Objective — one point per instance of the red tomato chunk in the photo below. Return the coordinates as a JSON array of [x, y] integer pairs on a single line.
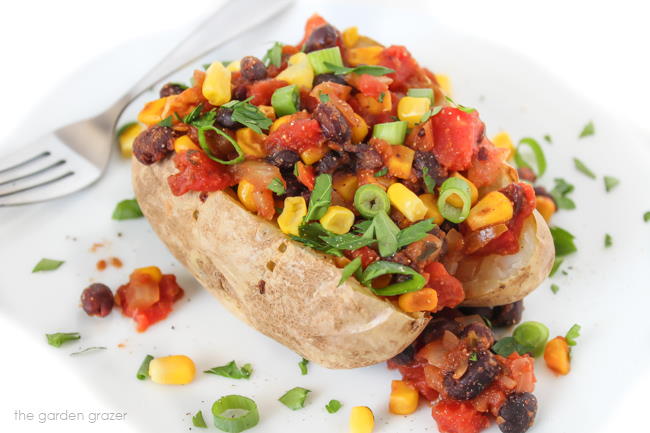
[[197, 172], [458, 417]]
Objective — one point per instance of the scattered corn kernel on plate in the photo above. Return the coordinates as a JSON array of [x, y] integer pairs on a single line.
[[602, 286]]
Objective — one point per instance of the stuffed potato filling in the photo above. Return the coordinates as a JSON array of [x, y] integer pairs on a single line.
[[354, 150]]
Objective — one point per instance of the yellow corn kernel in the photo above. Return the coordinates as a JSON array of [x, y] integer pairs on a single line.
[[431, 202], [492, 209], [152, 112], [338, 219], [251, 143], [216, 86], [292, 214], [403, 398], [359, 130], [152, 271], [127, 137], [364, 55], [346, 185], [184, 143], [503, 141], [406, 202], [313, 154], [401, 161], [445, 83], [545, 206], [362, 420], [172, 370], [350, 36], [456, 201], [234, 66], [299, 72], [411, 109], [268, 111], [279, 122], [245, 192]]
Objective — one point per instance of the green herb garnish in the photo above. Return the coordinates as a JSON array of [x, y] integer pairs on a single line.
[[274, 55], [608, 240], [381, 97], [333, 406], [563, 241], [47, 265], [232, 371], [198, 421], [610, 183], [573, 333], [206, 123], [59, 338], [429, 114], [555, 288], [414, 232], [548, 138], [248, 115], [460, 107], [321, 197], [167, 121], [646, 217], [377, 269], [386, 233], [588, 130], [375, 70], [127, 209], [382, 172], [473, 357], [324, 98], [350, 269], [303, 366], [277, 186], [560, 193], [429, 182], [556, 265], [582, 168], [194, 115], [294, 399]]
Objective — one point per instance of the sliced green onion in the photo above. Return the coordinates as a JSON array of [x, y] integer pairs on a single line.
[[538, 153], [295, 398], [318, 60], [143, 371], [348, 271], [206, 148], [370, 200], [610, 183], [286, 100], [235, 413], [421, 93], [461, 188], [533, 336], [380, 268], [390, 132]]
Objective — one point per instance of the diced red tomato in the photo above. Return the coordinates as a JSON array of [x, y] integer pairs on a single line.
[[421, 137], [450, 290], [197, 172], [168, 290], [521, 368], [262, 90], [265, 204], [490, 400], [306, 175], [458, 417], [312, 23], [307, 101], [486, 164], [367, 255], [522, 196], [297, 134], [407, 71], [455, 135], [371, 86], [415, 375]]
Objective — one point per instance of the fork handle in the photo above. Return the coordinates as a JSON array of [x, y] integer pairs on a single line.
[[229, 21]]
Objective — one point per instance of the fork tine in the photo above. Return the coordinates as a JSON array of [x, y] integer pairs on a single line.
[[33, 173], [44, 183], [24, 162]]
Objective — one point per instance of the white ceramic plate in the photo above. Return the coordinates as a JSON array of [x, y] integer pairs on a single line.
[[605, 290]]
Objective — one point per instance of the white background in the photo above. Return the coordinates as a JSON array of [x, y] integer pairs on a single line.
[[598, 48]]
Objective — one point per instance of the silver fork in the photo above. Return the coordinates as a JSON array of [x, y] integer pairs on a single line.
[[76, 155]]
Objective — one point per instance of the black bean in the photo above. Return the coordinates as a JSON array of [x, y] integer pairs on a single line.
[[153, 144], [294, 187], [406, 356], [224, 118], [479, 375], [436, 328], [508, 315], [368, 158], [331, 162], [485, 312], [427, 159], [323, 78], [517, 413], [283, 158], [334, 126], [97, 300], [325, 36], [171, 89], [540, 191], [252, 68], [477, 336]]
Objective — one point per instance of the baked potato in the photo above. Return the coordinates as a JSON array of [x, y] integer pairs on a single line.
[[422, 210]]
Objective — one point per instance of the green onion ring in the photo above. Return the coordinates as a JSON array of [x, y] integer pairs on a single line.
[[380, 268], [206, 149], [538, 153], [239, 423], [461, 188]]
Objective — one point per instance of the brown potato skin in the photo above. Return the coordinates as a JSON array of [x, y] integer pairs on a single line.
[[277, 286]]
